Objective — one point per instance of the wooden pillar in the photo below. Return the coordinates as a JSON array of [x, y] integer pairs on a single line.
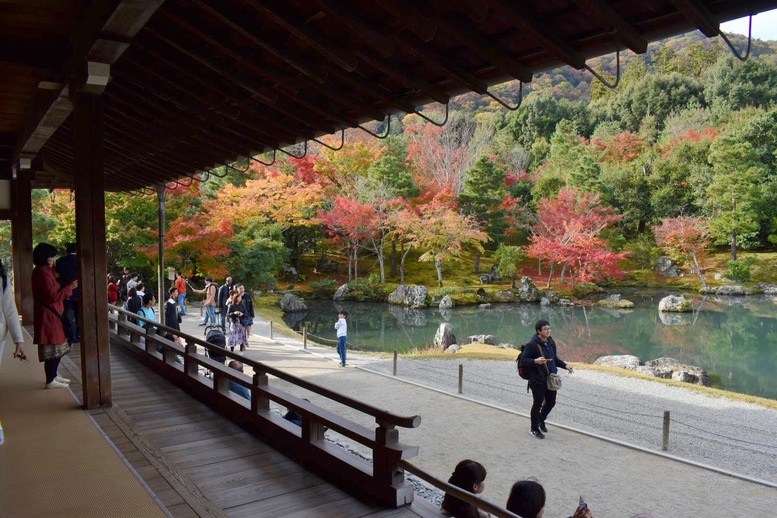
[[21, 242], [161, 294], [89, 178]]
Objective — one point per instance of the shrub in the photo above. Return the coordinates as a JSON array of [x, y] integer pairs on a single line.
[[644, 251], [740, 270], [368, 289]]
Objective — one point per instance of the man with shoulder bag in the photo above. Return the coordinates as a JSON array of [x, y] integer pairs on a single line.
[[539, 357]]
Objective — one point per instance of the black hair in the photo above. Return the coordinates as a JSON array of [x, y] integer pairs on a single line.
[[465, 476], [540, 324], [3, 275], [133, 292], [343, 312], [527, 498], [171, 290], [70, 248], [42, 252], [147, 297], [208, 278]]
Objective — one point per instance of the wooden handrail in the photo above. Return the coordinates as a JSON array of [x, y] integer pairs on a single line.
[[470, 498], [379, 414]]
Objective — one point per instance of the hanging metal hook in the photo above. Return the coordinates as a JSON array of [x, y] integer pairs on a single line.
[[295, 156], [342, 142], [264, 163], [388, 129], [438, 124], [749, 42], [248, 164], [617, 72], [500, 101]]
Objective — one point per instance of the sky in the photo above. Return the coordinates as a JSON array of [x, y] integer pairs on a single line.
[[764, 26]]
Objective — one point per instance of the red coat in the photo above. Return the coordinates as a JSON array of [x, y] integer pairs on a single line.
[[47, 326]]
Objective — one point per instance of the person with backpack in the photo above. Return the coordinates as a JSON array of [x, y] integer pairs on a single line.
[[539, 357]]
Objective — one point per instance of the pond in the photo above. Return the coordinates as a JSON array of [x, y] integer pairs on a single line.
[[733, 339]]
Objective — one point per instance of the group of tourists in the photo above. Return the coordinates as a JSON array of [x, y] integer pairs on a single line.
[[231, 307], [526, 499]]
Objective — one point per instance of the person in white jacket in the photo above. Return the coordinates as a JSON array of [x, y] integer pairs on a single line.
[[9, 325], [342, 335]]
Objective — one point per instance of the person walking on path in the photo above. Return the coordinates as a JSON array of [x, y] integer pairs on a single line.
[[248, 302], [342, 335], [225, 292], [180, 287], [48, 307], [237, 334], [539, 355], [210, 301], [171, 313]]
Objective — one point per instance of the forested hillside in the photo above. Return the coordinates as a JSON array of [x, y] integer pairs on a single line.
[[580, 176]]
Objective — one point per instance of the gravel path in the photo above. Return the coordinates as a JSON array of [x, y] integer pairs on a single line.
[[721, 433]]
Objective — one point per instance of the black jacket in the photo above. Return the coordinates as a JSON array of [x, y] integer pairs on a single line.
[[535, 349]]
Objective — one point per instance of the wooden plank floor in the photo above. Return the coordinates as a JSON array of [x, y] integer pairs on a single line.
[[200, 464]]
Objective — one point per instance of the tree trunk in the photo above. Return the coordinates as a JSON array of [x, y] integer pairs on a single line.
[[477, 262], [733, 246], [394, 272], [539, 266], [552, 267], [698, 272], [402, 264], [513, 279], [563, 271], [438, 265]]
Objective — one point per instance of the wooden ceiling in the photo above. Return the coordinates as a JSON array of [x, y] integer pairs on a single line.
[[199, 83]]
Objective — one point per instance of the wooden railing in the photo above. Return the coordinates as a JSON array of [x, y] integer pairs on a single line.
[[382, 480]]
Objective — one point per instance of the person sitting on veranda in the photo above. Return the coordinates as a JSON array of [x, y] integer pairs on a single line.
[[235, 387], [469, 475]]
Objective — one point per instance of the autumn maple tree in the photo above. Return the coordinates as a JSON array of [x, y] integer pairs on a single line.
[[687, 235], [568, 233]]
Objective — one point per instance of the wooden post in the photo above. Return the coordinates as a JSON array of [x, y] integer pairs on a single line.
[[21, 238], [304, 337], [270, 329], [190, 367], [665, 442], [461, 377], [161, 295], [89, 178], [388, 476], [395, 362], [260, 403]]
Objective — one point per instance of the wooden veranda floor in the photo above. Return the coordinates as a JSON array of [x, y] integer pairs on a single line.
[[198, 463]]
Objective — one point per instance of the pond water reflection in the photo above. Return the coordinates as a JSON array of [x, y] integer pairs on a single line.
[[734, 340]]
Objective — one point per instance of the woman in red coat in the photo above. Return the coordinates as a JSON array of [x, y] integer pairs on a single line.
[[47, 297]]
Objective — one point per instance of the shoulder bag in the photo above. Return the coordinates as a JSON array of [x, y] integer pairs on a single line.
[[67, 325], [554, 378]]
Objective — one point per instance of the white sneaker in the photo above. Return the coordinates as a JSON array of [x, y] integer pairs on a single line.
[[56, 384], [61, 379]]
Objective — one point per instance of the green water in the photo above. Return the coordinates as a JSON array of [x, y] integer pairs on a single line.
[[734, 340]]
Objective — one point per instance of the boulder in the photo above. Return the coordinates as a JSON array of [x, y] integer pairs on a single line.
[[551, 296], [481, 339], [622, 361], [291, 303], [341, 293], [452, 349], [734, 291], [505, 296], [615, 302], [527, 291], [766, 289], [409, 295], [487, 305], [566, 302], [673, 369], [675, 304], [444, 337], [666, 267], [446, 302]]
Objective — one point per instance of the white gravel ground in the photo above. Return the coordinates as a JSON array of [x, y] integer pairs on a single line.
[[729, 435]]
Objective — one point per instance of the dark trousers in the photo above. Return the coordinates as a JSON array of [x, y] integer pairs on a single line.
[[544, 401], [73, 331], [50, 368]]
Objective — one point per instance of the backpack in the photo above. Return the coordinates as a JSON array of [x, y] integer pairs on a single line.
[[523, 372]]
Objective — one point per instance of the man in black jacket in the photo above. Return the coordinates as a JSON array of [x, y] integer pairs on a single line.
[[221, 301], [539, 355]]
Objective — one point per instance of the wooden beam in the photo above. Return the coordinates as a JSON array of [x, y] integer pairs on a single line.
[[698, 15], [119, 19], [89, 179], [623, 30], [21, 243]]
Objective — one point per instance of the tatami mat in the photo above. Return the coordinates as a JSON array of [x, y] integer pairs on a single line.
[[55, 462]]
